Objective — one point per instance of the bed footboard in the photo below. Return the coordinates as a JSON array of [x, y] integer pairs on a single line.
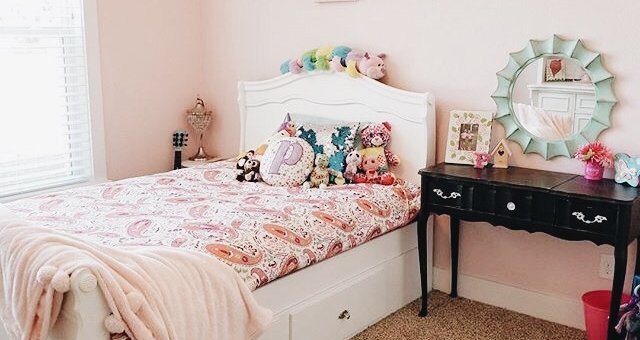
[[84, 310]]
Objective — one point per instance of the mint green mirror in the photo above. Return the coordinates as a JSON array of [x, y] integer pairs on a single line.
[[554, 96]]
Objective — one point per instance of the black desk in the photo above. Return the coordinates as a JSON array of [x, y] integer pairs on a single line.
[[563, 205]]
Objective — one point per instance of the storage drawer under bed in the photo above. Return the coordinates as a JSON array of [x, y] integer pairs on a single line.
[[340, 312]]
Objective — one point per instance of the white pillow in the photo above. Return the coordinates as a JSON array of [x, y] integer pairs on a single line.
[[287, 162]]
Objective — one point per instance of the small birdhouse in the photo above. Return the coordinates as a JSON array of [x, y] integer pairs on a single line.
[[501, 155]]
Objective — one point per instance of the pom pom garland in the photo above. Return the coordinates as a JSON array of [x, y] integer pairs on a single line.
[[338, 59]]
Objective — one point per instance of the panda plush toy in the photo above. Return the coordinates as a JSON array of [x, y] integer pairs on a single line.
[[248, 168]]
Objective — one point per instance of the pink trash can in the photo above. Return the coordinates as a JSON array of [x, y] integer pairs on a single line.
[[596, 312]]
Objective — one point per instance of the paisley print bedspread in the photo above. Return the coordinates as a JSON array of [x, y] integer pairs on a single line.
[[263, 232]]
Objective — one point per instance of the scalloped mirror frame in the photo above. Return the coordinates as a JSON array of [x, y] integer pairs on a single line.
[[602, 82]]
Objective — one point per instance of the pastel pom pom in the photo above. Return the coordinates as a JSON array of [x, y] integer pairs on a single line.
[[290, 66], [336, 64], [294, 67], [341, 51], [61, 282], [322, 63], [284, 67], [113, 324], [352, 70], [324, 52], [309, 60], [308, 64], [45, 274]]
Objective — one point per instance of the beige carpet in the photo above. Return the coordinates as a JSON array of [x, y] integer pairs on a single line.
[[462, 319]]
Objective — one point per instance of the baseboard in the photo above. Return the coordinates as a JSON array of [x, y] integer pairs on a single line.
[[557, 309]]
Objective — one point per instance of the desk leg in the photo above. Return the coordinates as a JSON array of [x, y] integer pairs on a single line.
[[423, 217], [637, 270], [455, 245], [616, 291]]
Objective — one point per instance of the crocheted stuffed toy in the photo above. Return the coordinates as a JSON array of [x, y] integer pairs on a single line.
[[338, 59]]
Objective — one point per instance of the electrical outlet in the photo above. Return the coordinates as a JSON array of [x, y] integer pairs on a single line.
[[606, 266]]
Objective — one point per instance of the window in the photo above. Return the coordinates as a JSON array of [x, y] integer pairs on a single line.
[[45, 125]]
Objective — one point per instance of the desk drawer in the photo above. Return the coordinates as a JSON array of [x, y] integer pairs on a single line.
[[447, 193], [513, 203], [484, 198], [593, 216]]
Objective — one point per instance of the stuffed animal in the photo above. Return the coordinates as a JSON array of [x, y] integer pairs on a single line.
[[379, 135], [353, 160], [249, 168], [367, 64], [630, 311], [338, 178], [243, 159], [272, 139], [374, 168], [341, 58], [319, 177]]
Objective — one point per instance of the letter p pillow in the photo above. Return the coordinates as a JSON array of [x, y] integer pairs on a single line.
[[289, 153]]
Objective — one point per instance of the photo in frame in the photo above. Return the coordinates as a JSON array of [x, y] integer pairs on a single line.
[[564, 70], [469, 132]]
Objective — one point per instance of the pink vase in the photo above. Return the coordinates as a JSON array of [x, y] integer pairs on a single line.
[[593, 171]]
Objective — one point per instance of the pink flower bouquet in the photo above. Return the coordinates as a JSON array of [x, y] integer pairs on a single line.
[[596, 157]]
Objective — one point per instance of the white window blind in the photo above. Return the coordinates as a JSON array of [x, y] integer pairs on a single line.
[[44, 96]]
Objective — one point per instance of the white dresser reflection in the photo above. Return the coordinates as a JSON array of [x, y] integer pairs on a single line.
[[575, 99]]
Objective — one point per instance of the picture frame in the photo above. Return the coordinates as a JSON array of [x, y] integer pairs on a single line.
[[554, 69], [559, 69], [469, 132]]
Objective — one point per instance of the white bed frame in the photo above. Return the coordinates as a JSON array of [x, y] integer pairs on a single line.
[[341, 296], [367, 283]]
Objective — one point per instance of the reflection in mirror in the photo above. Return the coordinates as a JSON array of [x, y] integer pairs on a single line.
[[553, 98]]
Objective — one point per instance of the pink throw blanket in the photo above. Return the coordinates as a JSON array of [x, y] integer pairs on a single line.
[[155, 293]]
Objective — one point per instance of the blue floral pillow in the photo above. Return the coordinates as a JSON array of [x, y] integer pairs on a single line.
[[333, 140]]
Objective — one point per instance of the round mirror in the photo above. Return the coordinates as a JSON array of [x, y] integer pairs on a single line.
[[554, 96]]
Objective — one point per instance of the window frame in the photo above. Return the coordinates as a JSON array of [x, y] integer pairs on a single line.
[[96, 117]]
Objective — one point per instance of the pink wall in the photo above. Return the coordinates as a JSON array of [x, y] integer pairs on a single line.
[[151, 54], [154, 54], [453, 49]]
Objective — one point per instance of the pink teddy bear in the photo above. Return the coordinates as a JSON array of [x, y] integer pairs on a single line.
[[379, 135]]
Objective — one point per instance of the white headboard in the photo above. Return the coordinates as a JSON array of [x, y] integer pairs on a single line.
[[337, 96]]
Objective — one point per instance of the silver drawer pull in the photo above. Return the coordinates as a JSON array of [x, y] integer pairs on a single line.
[[441, 194], [511, 206], [580, 216], [344, 315]]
